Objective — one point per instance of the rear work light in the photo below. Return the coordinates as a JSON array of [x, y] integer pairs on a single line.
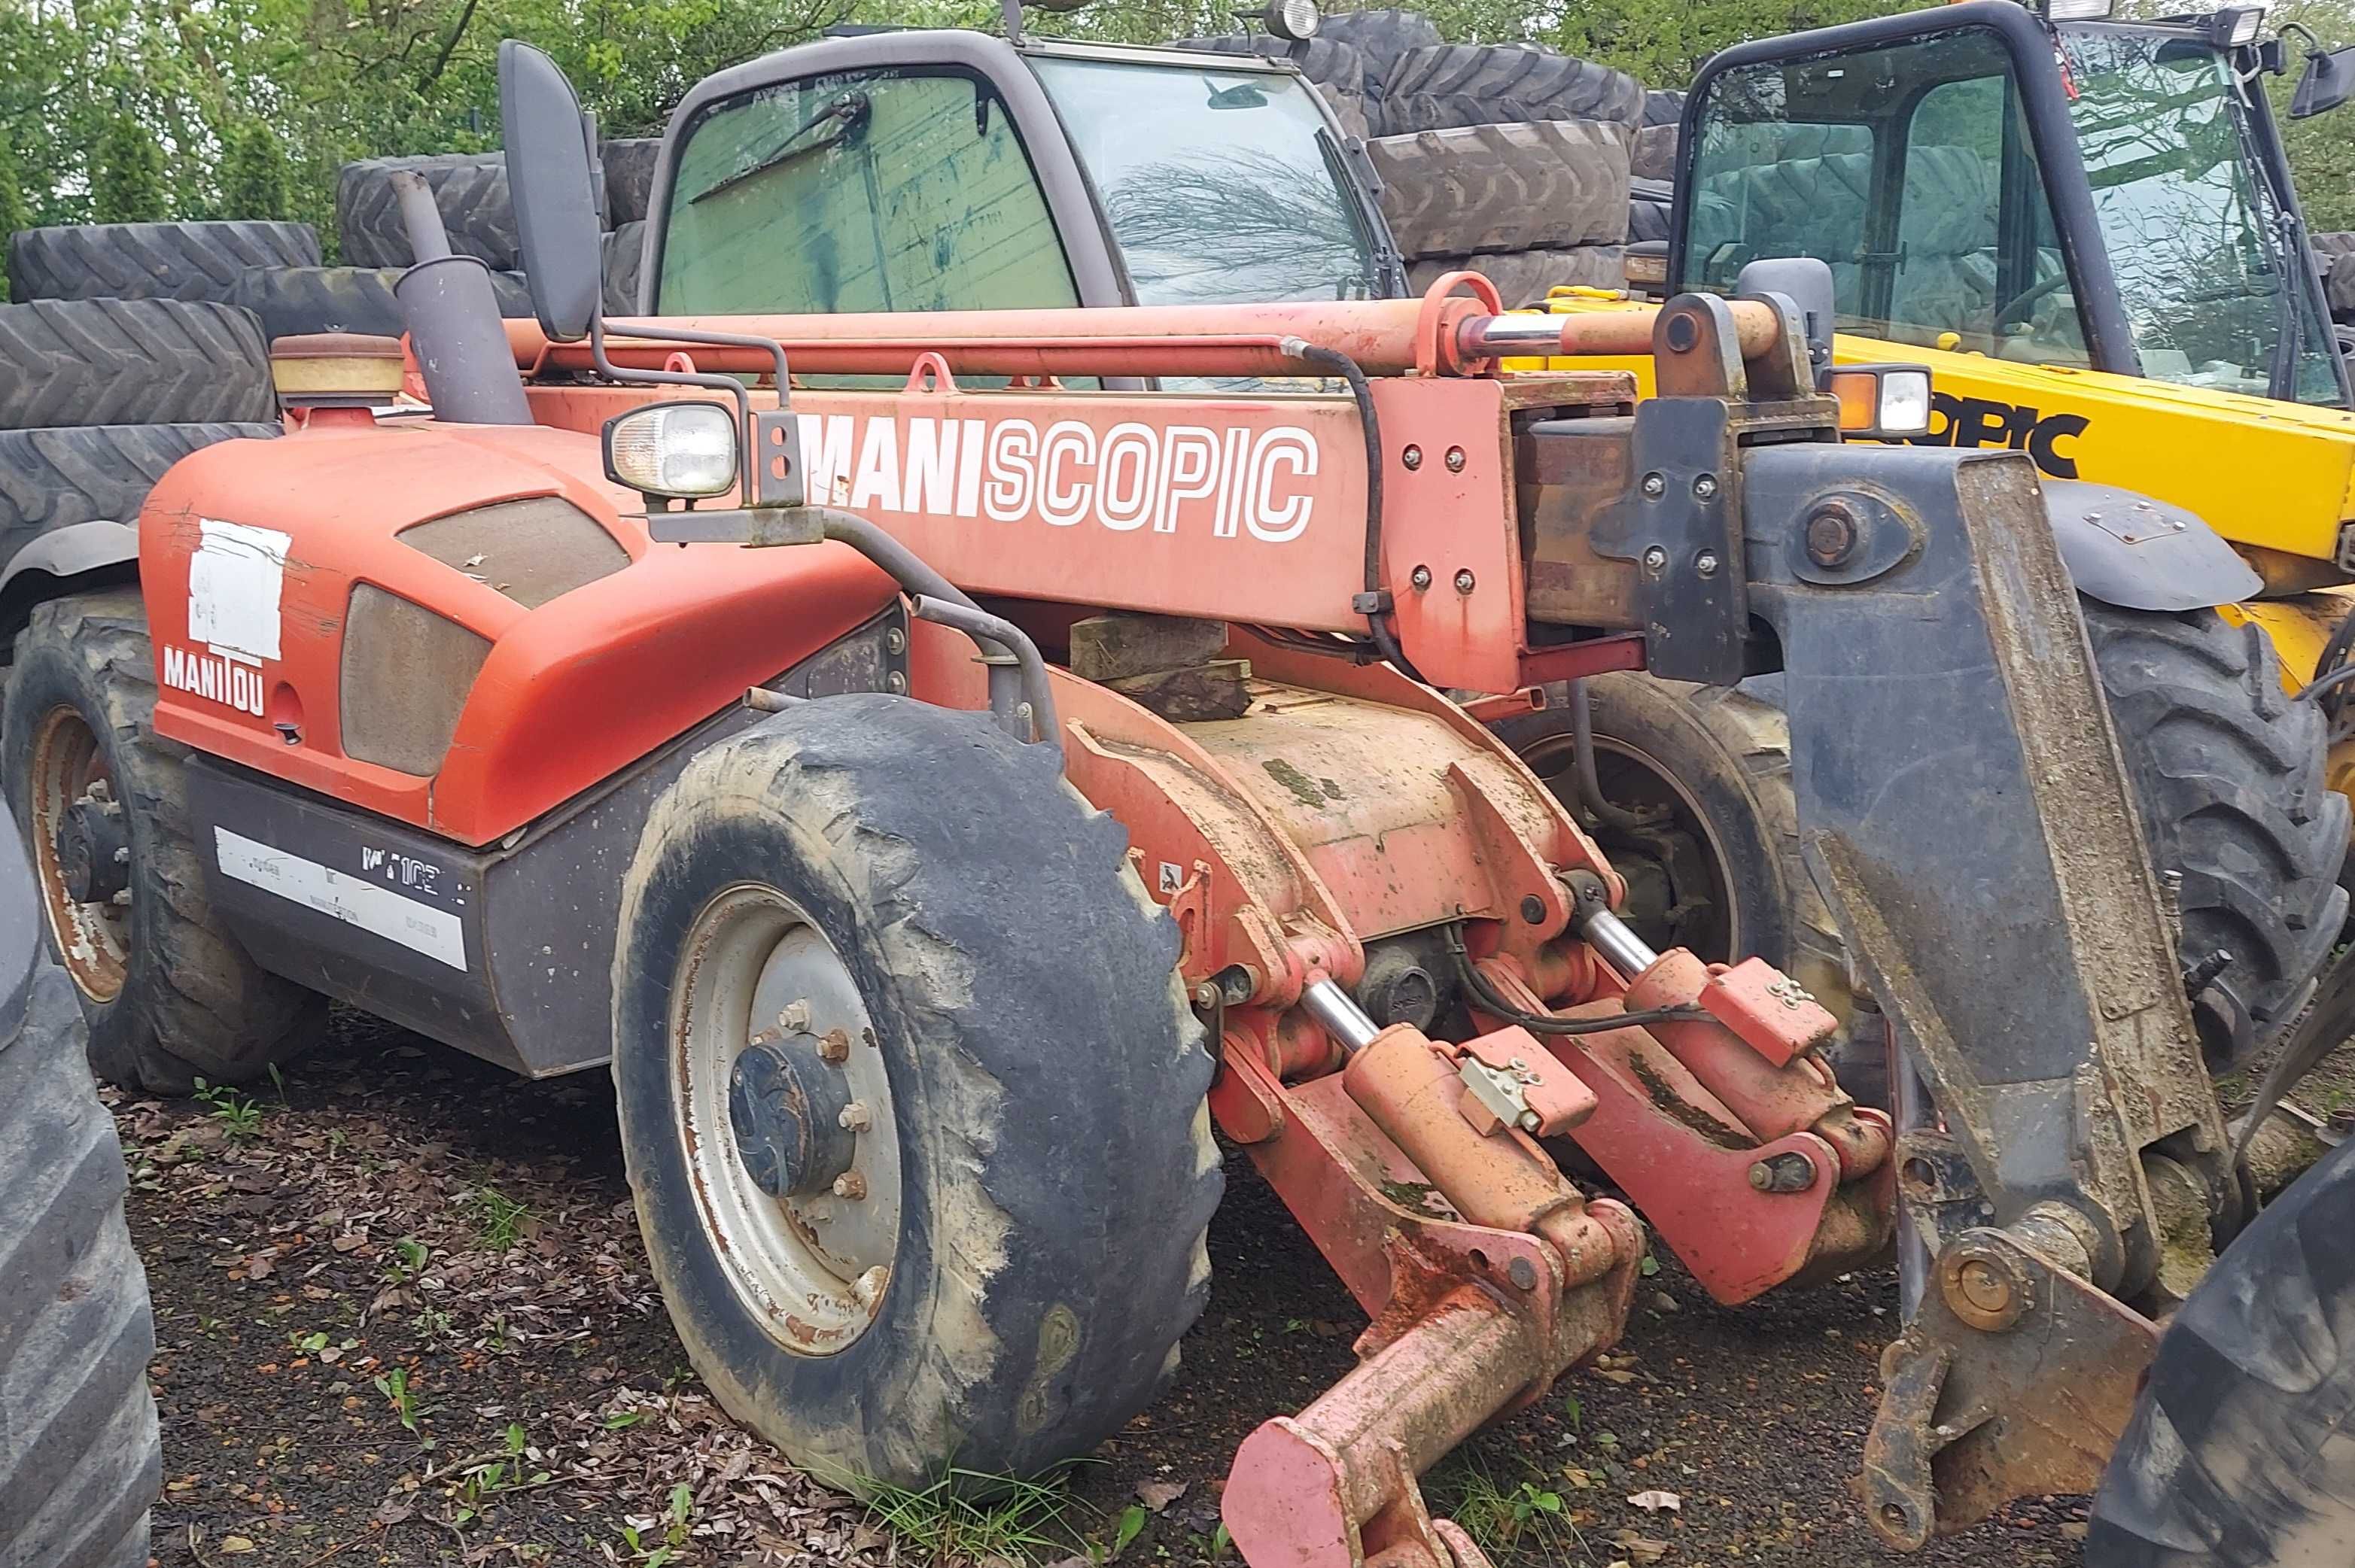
[[1884, 402]]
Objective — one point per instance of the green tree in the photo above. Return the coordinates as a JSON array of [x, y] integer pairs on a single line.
[[14, 214], [253, 171], [126, 177]]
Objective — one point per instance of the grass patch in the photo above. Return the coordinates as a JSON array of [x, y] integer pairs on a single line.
[[1521, 1514], [502, 1219], [968, 1516]]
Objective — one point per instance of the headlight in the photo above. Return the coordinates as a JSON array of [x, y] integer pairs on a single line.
[[684, 450], [1882, 400], [2078, 10], [1293, 19]]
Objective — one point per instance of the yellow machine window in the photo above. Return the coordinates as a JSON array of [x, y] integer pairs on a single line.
[[1908, 170]]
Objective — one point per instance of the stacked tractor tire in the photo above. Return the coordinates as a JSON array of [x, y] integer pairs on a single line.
[[1508, 160], [274, 269], [2334, 255]]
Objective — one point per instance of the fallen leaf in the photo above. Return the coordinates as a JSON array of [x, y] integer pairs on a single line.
[[1653, 1502], [1614, 1375], [236, 1543], [1641, 1549], [1159, 1495]]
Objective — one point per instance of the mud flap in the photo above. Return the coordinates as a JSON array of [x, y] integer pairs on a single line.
[[1965, 810]]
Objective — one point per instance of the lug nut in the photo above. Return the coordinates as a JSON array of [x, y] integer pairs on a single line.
[[855, 1118], [895, 641], [794, 1019], [868, 1287], [1705, 563], [850, 1184], [1456, 459], [896, 681], [834, 1046]]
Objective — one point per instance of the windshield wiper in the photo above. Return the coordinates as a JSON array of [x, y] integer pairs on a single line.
[[850, 112]]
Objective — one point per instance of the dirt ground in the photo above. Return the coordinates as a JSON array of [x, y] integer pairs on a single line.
[[403, 1319]]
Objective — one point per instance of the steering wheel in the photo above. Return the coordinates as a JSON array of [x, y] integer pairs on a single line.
[[2024, 300]]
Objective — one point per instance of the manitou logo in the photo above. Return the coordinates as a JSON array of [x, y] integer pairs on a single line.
[[1229, 481], [215, 677]]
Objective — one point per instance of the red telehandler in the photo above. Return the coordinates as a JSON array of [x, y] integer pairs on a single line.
[[947, 760]]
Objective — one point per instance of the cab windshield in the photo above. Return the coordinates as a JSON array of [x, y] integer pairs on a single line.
[[2196, 239], [1912, 169], [1222, 186]]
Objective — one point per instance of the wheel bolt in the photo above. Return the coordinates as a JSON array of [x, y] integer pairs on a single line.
[[834, 1046], [1656, 559], [1411, 458], [1705, 486], [855, 1118], [868, 1287], [850, 1184], [794, 1019]]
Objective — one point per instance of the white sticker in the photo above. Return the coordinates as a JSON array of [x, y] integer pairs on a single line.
[[1173, 876], [234, 581], [433, 932]]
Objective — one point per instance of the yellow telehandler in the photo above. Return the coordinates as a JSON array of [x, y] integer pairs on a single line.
[[2085, 228]]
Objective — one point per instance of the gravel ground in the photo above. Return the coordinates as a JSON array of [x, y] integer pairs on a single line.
[[404, 1318]]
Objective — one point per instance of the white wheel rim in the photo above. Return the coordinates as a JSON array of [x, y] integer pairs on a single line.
[[811, 1267]]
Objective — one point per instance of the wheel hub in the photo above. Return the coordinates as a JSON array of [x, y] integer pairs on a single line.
[[94, 846], [787, 1108]]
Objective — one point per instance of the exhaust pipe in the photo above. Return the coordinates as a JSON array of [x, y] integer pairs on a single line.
[[454, 321]]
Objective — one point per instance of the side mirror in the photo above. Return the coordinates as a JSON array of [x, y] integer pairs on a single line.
[[1806, 282], [554, 190], [2325, 84]]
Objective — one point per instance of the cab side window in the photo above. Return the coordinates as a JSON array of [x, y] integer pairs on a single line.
[[870, 191]]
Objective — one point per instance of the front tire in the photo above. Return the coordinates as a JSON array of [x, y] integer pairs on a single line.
[[971, 961], [2238, 1454], [169, 996]]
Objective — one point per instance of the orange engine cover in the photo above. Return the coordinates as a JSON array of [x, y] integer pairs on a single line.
[[252, 553]]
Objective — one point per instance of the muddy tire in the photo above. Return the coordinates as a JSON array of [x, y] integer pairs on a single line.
[[626, 250], [1382, 35], [469, 188], [1492, 84], [150, 260], [1523, 277], [169, 997], [2229, 774], [292, 300], [1034, 1165], [1715, 765], [1322, 60], [2237, 1454], [1548, 183], [629, 178], [80, 1455], [1664, 106], [130, 361], [88, 473]]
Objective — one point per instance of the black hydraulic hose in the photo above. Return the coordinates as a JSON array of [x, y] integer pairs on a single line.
[[1581, 743], [1375, 602], [1486, 996]]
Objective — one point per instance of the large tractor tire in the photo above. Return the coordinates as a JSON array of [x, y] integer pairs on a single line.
[[1486, 84], [469, 188], [169, 997], [91, 473], [130, 361], [884, 978], [150, 260], [1550, 184], [2227, 773], [629, 165], [1382, 36], [2238, 1455], [80, 1456]]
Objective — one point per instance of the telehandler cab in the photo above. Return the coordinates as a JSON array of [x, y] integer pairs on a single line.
[[1047, 781]]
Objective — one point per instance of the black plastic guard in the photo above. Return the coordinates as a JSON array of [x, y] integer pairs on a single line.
[[1964, 807]]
